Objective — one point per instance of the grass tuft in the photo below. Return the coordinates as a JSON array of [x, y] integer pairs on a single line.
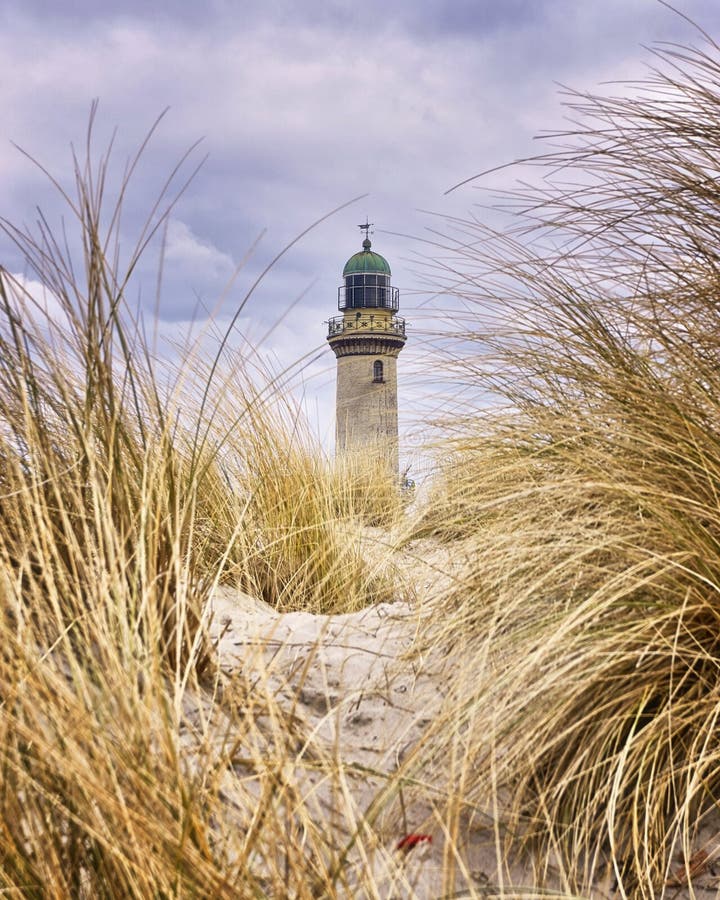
[[588, 509]]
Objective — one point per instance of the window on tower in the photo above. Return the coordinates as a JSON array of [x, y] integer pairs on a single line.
[[378, 371]]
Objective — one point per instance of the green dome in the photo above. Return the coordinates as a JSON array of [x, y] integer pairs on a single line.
[[366, 261]]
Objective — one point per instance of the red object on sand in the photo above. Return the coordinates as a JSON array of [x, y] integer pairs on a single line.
[[412, 840]]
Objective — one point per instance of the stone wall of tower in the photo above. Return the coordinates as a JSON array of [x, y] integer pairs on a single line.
[[366, 410]]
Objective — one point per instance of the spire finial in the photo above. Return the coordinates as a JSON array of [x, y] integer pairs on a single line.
[[366, 228]]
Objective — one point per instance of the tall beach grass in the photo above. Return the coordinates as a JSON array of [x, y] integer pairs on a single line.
[[588, 507], [580, 527], [131, 765]]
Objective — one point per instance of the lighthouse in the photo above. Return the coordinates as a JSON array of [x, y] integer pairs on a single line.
[[367, 338]]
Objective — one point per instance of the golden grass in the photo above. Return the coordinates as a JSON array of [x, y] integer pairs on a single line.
[[577, 621], [131, 766], [588, 513], [304, 542]]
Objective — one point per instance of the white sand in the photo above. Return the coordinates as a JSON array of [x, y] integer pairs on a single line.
[[351, 682], [353, 686]]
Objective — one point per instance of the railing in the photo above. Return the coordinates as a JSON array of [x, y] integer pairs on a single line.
[[372, 323]]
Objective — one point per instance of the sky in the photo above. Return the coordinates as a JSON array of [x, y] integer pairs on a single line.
[[299, 110]]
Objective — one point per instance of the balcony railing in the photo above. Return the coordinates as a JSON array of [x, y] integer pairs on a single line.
[[363, 323]]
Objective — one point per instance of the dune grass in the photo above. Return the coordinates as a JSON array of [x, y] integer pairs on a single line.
[[580, 526], [304, 543], [124, 750], [588, 508]]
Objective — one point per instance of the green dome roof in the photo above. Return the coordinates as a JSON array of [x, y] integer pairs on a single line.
[[366, 261]]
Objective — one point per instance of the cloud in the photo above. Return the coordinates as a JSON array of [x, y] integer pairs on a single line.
[[194, 259], [40, 306], [301, 108]]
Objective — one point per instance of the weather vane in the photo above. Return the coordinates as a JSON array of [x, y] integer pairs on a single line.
[[366, 227]]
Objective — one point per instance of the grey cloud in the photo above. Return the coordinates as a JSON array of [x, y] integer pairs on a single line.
[[366, 19], [301, 109]]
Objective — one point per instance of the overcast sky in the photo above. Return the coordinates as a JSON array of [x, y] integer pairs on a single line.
[[301, 107]]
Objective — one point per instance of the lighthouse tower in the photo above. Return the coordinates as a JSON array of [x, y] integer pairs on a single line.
[[367, 339]]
